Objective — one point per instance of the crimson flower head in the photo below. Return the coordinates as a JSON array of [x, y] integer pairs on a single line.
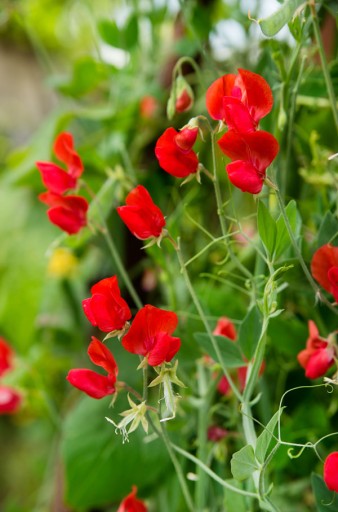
[[150, 335], [252, 153], [56, 179], [174, 152], [131, 504], [225, 327], [6, 355], [324, 268], [106, 309], [241, 100], [331, 471], [10, 400], [318, 356], [92, 383], [69, 213], [141, 215]]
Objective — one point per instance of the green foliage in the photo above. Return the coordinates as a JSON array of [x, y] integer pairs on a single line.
[[264, 440], [250, 331], [243, 463], [267, 228], [271, 25], [326, 500], [231, 355]]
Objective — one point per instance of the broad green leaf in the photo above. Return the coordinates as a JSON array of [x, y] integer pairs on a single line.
[[277, 20], [99, 468], [265, 437], [328, 230], [234, 502], [282, 239], [125, 37], [249, 331], [243, 463], [266, 227], [110, 33], [229, 350], [326, 500]]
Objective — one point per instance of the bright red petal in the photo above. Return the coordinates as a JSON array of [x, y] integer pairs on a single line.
[[71, 215], [244, 176], [225, 327], [214, 96], [10, 400], [101, 356], [256, 94], [6, 355], [54, 178], [331, 471], [172, 158], [92, 383], [131, 504], [323, 259], [165, 347], [237, 115], [64, 150], [333, 278], [318, 363]]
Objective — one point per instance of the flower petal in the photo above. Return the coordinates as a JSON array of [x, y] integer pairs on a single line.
[[100, 355], [256, 94], [323, 259], [54, 178], [244, 176], [92, 383], [221, 87]]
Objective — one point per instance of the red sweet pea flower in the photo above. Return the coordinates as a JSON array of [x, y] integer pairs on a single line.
[[69, 213], [149, 335], [184, 102], [141, 215], [318, 356], [331, 471], [324, 268], [174, 152], [225, 327], [64, 150], [252, 153], [92, 383], [6, 355], [240, 100], [131, 504], [106, 309], [10, 400]]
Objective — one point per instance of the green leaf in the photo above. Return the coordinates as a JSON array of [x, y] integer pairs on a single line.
[[243, 463], [266, 228], [93, 458], [124, 38], [250, 331], [276, 21], [265, 437], [282, 238], [328, 230], [231, 355], [326, 500]]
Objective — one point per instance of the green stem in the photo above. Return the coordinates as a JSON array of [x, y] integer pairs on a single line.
[[202, 315], [302, 263], [327, 77]]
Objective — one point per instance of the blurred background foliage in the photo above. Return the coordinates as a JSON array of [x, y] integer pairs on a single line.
[[90, 68]]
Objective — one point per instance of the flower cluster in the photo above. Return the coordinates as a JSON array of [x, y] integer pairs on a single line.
[[241, 101], [68, 212], [149, 336], [319, 354], [10, 398], [175, 154]]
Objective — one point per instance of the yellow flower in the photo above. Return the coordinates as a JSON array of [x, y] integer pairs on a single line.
[[62, 263]]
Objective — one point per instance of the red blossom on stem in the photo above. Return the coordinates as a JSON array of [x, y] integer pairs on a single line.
[[69, 213], [241, 101], [318, 356], [141, 216], [106, 309], [10, 400], [92, 383], [183, 102], [216, 433], [251, 153], [331, 471], [150, 335], [174, 152], [131, 504], [324, 268]]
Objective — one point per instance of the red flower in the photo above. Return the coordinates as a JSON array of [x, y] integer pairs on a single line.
[[318, 356], [216, 433], [225, 327], [131, 504], [106, 309], [184, 102], [141, 215], [149, 335], [324, 268], [56, 179], [10, 400], [149, 107], [92, 383], [331, 471], [239, 100], [6, 354], [252, 153], [69, 213], [174, 152]]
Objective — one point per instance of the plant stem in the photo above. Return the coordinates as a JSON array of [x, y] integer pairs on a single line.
[[327, 77], [202, 315]]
